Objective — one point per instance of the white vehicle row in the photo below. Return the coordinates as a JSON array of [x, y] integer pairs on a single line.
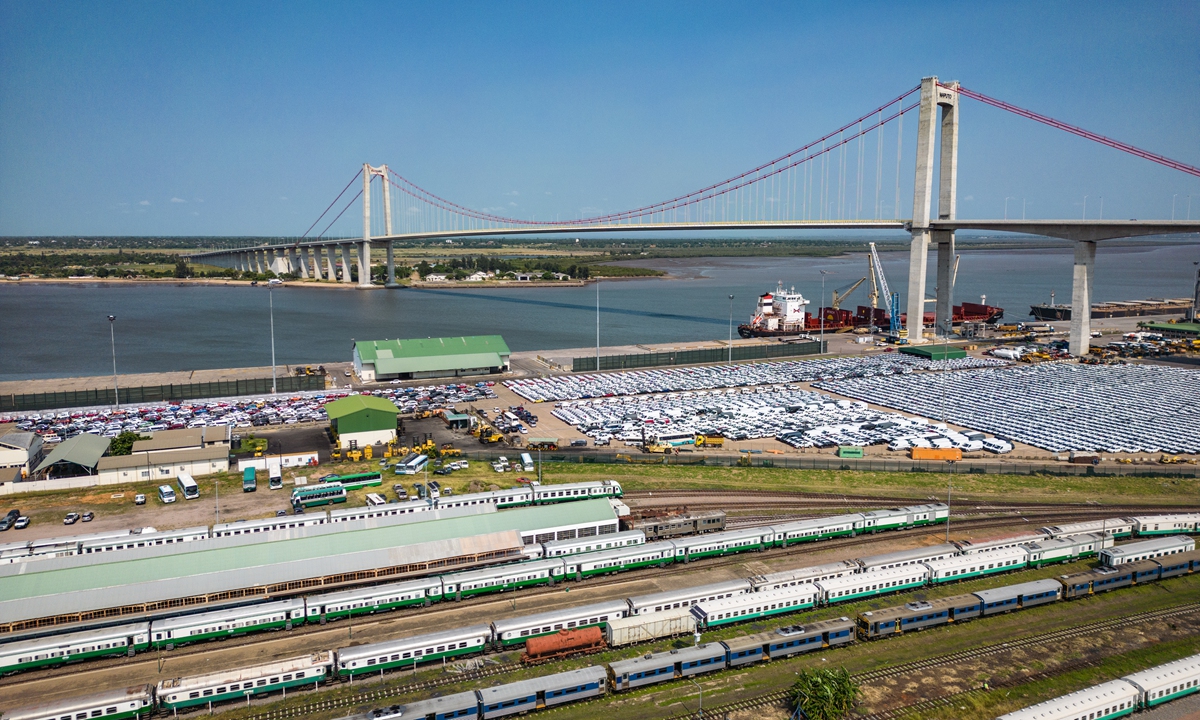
[[677, 379], [1057, 407]]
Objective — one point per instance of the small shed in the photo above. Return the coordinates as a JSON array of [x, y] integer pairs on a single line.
[[74, 457], [934, 352], [361, 420], [457, 421]]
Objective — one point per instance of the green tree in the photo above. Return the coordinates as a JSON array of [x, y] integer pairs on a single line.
[[182, 270], [123, 443], [825, 694]]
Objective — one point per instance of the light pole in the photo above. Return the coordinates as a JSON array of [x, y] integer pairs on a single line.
[[1006, 206], [731, 329], [112, 336], [949, 484], [597, 324], [822, 309], [271, 296], [701, 713], [1085, 197]]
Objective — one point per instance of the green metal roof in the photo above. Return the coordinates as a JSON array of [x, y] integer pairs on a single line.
[[358, 403], [932, 352], [84, 450], [1180, 327], [395, 366], [189, 568], [373, 350]]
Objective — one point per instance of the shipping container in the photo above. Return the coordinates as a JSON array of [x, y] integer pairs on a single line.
[[936, 453], [846, 451]]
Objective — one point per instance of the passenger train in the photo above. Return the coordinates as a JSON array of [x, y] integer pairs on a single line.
[[933, 566], [1176, 556]]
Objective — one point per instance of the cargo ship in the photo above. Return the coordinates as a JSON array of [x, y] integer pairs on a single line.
[[783, 313], [1138, 308]]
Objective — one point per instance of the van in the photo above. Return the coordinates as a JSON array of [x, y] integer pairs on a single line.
[[166, 494]]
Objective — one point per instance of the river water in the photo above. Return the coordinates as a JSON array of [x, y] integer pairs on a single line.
[[57, 330]]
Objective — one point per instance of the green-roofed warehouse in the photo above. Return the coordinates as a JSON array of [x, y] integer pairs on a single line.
[[430, 357], [361, 420]]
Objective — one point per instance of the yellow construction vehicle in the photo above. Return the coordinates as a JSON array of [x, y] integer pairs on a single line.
[[354, 455], [336, 456], [489, 435], [710, 441], [1169, 459], [368, 452], [448, 450], [655, 449]]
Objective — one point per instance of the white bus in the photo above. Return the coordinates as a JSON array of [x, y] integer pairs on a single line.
[[188, 485], [675, 439], [275, 477], [527, 462], [166, 494], [414, 466]]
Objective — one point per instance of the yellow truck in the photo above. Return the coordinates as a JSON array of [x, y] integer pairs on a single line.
[[710, 441]]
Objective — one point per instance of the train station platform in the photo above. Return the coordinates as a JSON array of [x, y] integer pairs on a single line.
[[134, 584]]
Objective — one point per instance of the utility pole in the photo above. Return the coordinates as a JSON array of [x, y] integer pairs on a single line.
[[701, 713], [271, 295], [597, 324], [949, 484], [822, 309], [731, 329], [112, 336]]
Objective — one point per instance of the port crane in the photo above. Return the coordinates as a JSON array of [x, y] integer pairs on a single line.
[[844, 292]]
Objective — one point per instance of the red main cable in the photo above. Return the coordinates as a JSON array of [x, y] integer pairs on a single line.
[[1153, 157]]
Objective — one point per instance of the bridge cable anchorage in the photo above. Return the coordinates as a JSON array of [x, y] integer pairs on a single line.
[[1117, 144], [339, 197], [698, 196], [339, 215]]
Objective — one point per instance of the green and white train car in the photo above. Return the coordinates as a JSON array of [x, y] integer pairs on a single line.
[[242, 683], [130, 703], [657, 554], [751, 606], [279, 615], [361, 601], [515, 631], [1066, 549], [905, 517], [817, 529], [1148, 525], [870, 584], [500, 579], [409, 652], [724, 543], [74, 647], [965, 567]]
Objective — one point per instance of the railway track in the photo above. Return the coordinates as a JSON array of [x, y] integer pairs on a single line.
[[777, 698], [364, 625]]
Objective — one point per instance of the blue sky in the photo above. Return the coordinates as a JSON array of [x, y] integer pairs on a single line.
[[197, 118]]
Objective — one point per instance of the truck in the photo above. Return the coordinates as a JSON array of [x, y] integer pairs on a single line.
[[919, 453], [710, 441], [249, 480]]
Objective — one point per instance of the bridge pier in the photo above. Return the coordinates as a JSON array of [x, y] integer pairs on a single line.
[[318, 263], [346, 275], [1081, 298], [330, 263], [258, 261], [944, 315], [391, 266], [364, 264], [304, 262]]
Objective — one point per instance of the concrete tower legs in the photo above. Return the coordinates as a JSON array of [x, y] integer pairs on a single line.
[[304, 262], [346, 274], [1081, 298]]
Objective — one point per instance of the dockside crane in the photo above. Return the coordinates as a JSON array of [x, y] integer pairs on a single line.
[[879, 282], [843, 292]]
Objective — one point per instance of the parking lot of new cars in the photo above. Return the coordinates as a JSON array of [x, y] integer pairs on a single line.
[[1057, 407], [678, 379], [56, 426]]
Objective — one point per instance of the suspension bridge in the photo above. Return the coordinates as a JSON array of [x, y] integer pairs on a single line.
[[792, 192]]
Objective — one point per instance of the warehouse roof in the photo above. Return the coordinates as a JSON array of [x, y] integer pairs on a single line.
[[934, 352], [18, 440], [163, 457], [358, 403], [371, 350], [85, 450], [48, 588], [1179, 327], [395, 366], [170, 440]]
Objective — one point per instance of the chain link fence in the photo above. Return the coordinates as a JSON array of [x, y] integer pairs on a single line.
[[158, 393]]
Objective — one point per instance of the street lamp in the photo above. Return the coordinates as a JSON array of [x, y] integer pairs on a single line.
[[731, 329], [271, 296], [701, 713], [112, 336], [822, 309], [1006, 206]]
